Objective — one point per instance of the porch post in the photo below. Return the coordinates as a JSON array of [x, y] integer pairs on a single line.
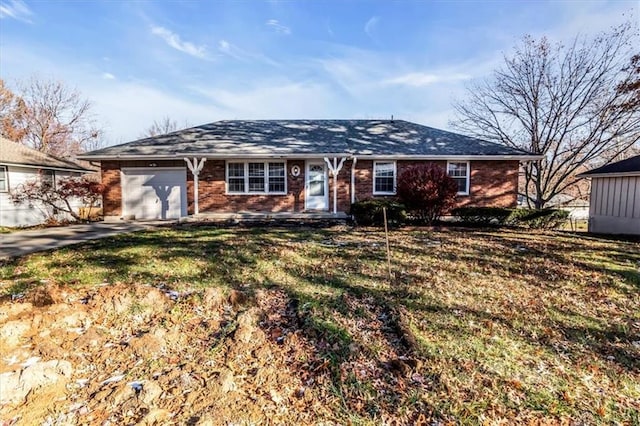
[[335, 169], [353, 179], [195, 166]]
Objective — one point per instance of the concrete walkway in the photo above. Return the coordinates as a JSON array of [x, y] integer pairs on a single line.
[[20, 243]]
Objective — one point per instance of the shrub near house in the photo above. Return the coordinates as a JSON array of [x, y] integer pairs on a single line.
[[427, 191], [62, 196]]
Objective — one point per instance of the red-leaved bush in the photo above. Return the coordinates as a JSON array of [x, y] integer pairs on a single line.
[[427, 191], [60, 195]]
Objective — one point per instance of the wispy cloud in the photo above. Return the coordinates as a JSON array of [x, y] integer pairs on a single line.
[[277, 27], [108, 76], [235, 52], [419, 79], [371, 25], [304, 99], [15, 9], [174, 40]]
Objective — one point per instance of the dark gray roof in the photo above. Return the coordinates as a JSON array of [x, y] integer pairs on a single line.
[[21, 155], [630, 165], [308, 137]]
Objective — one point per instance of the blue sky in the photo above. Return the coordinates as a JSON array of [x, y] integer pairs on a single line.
[[201, 61]]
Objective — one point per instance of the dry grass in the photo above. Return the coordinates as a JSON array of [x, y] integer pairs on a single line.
[[475, 326]]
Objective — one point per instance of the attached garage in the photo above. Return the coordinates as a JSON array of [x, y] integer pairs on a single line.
[[154, 193]]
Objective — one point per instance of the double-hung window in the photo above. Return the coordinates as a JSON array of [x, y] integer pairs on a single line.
[[235, 178], [4, 182], [459, 171], [256, 177], [276, 177], [384, 177]]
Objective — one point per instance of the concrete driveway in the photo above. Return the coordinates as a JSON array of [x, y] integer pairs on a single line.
[[20, 243]]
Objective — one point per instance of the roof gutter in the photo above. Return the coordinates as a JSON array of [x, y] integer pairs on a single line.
[[39, 166], [588, 175], [524, 157]]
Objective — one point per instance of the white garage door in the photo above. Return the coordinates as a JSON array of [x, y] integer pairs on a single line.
[[152, 193]]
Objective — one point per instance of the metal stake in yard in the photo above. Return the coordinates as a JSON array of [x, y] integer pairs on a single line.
[[386, 235]]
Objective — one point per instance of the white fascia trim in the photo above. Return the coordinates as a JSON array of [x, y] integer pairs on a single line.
[[60, 169], [606, 175], [315, 156], [231, 157], [451, 157]]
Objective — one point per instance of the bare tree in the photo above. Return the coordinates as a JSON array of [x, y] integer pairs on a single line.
[[12, 110], [164, 126], [563, 102], [50, 117]]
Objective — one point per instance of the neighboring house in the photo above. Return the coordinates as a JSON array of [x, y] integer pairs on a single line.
[[294, 166], [19, 164], [614, 206], [578, 208]]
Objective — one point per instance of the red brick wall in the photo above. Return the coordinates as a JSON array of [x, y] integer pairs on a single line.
[[493, 183], [212, 196], [112, 198]]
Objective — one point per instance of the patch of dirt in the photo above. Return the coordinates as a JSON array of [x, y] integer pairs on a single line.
[[123, 355]]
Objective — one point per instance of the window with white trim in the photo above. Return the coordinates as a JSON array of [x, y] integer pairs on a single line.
[[459, 171], [256, 177], [235, 177], [277, 177], [4, 182], [384, 177]]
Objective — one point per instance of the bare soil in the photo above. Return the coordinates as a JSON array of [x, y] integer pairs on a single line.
[[120, 354]]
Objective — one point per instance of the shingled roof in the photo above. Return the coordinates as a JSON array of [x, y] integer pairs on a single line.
[[269, 138], [628, 166], [13, 153]]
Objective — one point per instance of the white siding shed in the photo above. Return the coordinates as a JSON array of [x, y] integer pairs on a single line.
[[615, 198]]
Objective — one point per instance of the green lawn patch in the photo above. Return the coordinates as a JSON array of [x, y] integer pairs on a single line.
[[474, 326]]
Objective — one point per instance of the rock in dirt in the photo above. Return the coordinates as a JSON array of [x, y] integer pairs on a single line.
[[12, 310], [150, 392], [156, 417], [16, 385], [148, 344], [12, 333], [227, 382]]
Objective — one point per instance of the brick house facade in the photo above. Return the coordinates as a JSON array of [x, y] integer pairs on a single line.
[[492, 183], [287, 166]]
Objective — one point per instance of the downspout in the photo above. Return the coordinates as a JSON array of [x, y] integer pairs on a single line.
[[196, 167], [353, 179], [335, 169]]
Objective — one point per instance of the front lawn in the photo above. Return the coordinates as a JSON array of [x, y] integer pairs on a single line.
[[475, 326]]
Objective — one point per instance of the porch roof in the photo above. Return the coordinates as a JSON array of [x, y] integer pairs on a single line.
[[309, 138]]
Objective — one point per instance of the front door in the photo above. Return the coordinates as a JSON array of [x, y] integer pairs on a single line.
[[316, 188]]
